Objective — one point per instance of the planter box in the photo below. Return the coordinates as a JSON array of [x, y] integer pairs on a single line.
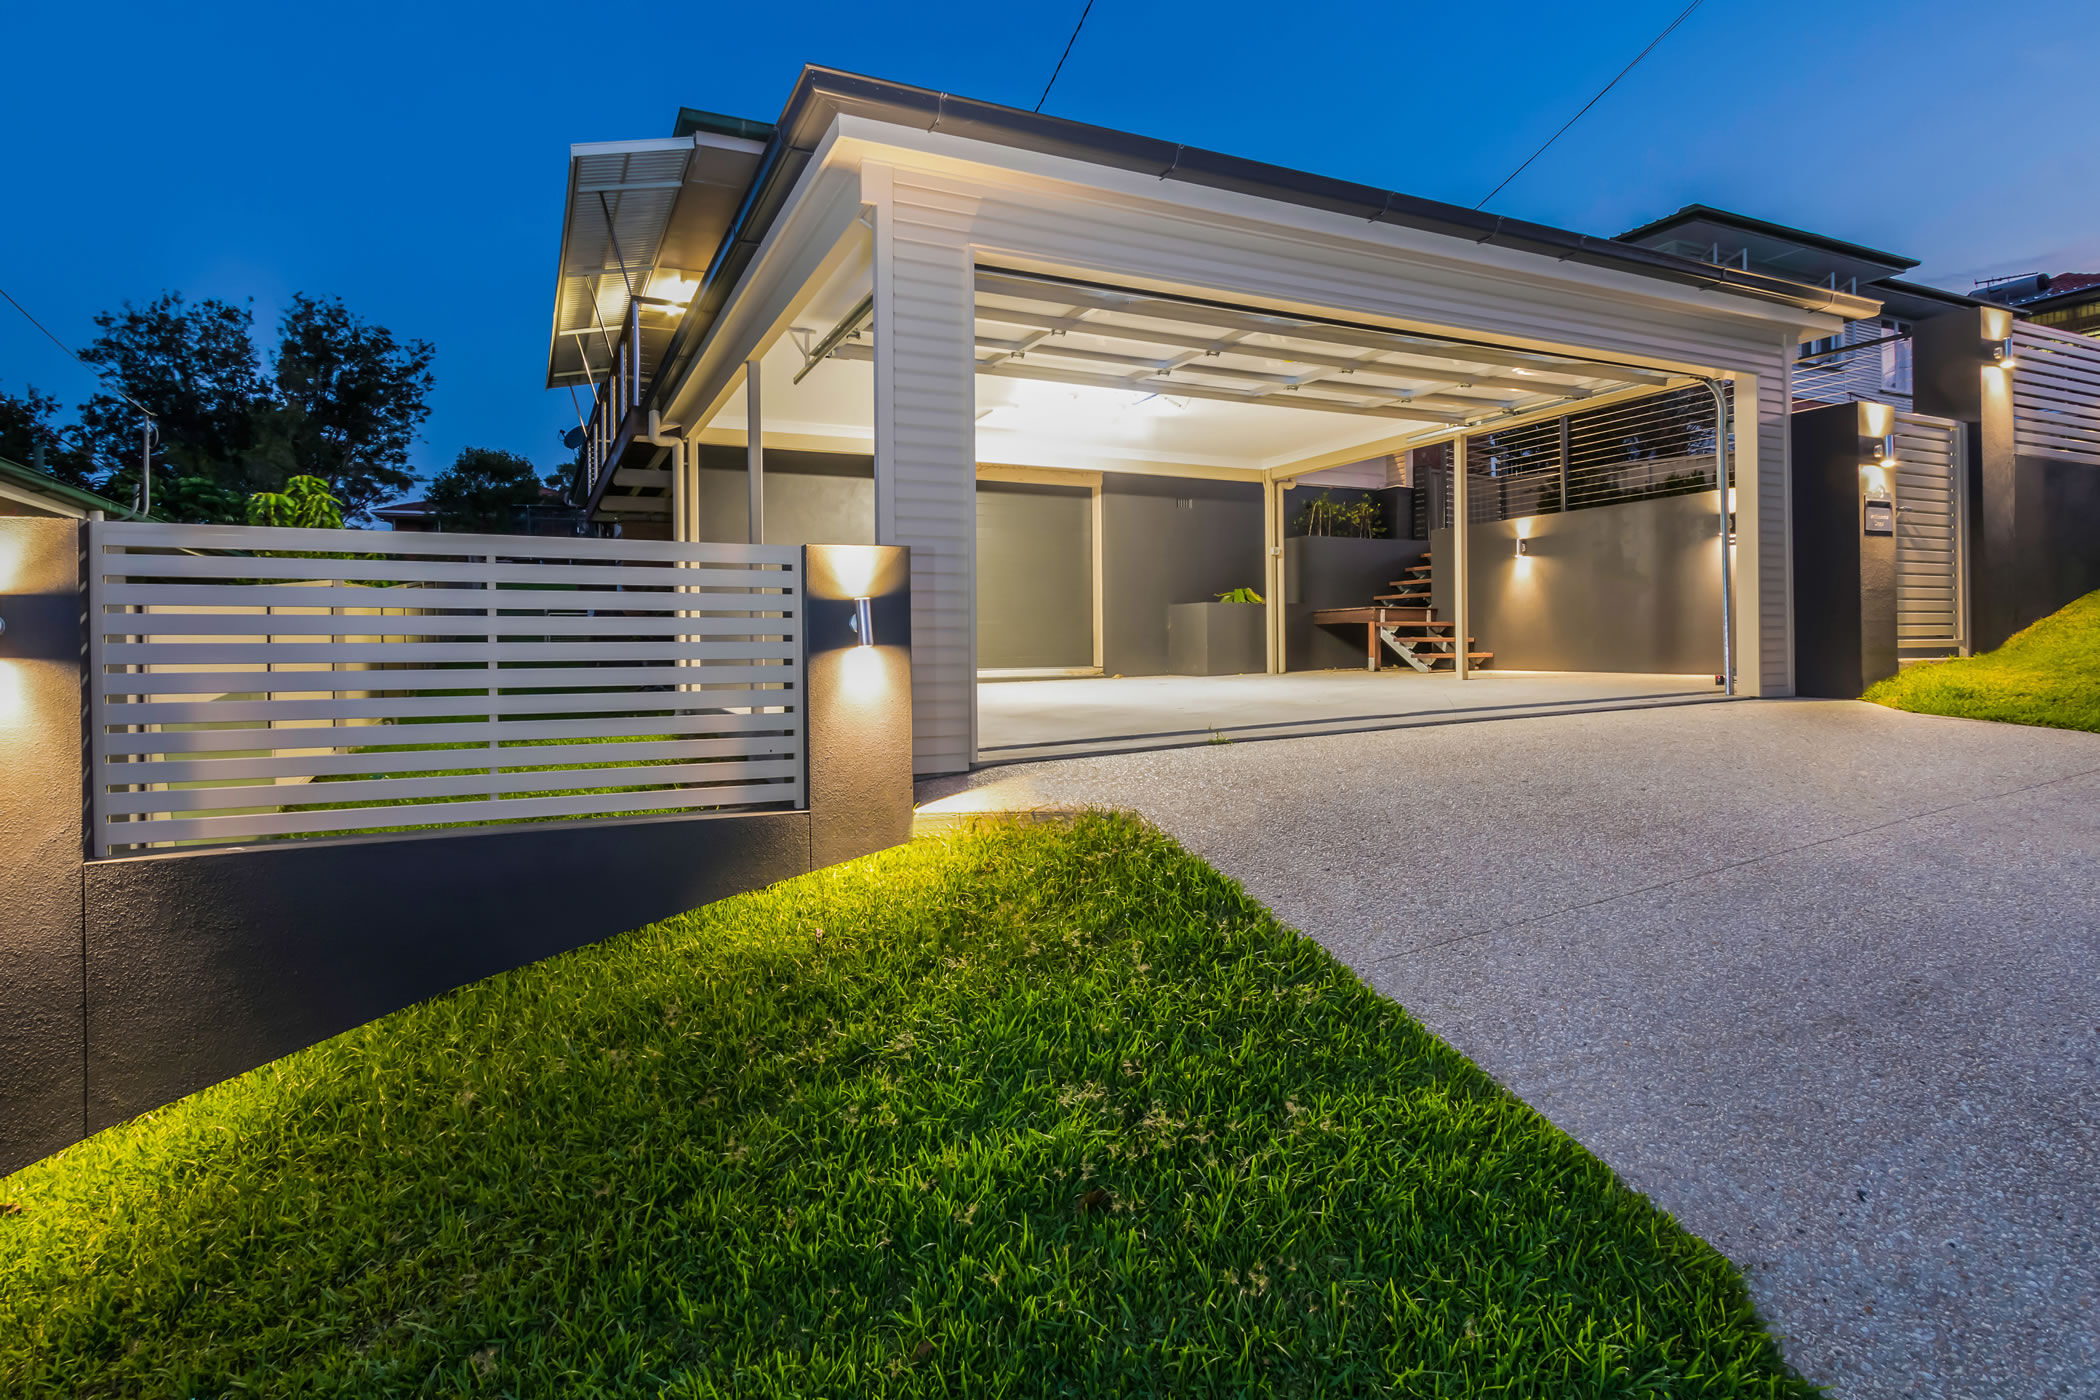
[[1216, 639]]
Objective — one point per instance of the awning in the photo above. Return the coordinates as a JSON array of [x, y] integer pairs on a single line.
[[643, 218]]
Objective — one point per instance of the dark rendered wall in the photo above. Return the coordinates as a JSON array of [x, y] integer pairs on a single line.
[[811, 497], [1035, 575], [1634, 587], [1336, 573], [2034, 521], [42, 1085], [199, 965], [1168, 540]]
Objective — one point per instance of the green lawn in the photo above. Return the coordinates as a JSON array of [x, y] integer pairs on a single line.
[[2048, 674], [1034, 1110]]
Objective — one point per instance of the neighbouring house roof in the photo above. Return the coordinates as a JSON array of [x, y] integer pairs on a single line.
[[1777, 248], [17, 481], [822, 95], [404, 510]]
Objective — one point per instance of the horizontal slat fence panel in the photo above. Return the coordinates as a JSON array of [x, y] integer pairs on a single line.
[[1927, 484], [256, 684], [2056, 395]]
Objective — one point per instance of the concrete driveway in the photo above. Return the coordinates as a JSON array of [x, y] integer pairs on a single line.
[[1822, 979]]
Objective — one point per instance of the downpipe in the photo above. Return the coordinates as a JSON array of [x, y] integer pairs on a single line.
[[1721, 462], [662, 434]]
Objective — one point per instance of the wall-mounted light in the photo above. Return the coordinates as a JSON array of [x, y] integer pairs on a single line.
[[1888, 450], [1523, 548], [863, 623], [2001, 353]]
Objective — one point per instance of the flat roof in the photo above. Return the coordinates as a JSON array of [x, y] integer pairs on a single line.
[[822, 95]]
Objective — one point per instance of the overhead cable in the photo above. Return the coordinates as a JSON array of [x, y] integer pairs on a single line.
[[1687, 14]]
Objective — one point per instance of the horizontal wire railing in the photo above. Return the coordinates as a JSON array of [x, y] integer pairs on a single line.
[[258, 684]]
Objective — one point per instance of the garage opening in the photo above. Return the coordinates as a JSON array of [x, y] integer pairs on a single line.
[[1219, 455]]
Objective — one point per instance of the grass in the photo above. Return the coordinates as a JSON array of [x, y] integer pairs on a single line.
[[1041, 1110], [2047, 674]]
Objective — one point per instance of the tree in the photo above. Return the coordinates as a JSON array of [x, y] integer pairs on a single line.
[[29, 435], [485, 489], [343, 402], [194, 367], [349, 399]]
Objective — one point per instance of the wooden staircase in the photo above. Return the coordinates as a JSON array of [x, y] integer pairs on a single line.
[[1405, 622]]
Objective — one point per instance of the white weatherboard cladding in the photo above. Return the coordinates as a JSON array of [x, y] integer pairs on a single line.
[[925, 487], [933, 223]]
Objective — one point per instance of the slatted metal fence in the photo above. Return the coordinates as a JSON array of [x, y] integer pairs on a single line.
[[1657, 445], [2056, 395], [1931, 613], [251, 684]]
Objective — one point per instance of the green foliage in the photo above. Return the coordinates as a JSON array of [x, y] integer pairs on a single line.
[[1240, 595], [343, 401], [30, 435], [1036, 1110], [195, 366], [2047, 674], [484, 490], [349, 400], [1361, 519], [304, 504]]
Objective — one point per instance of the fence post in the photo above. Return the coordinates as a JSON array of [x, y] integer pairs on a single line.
[[42, 997]]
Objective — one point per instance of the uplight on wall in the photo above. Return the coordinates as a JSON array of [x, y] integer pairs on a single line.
[[2002, 355], [1888, 450], [1523, 548], [863, 623]]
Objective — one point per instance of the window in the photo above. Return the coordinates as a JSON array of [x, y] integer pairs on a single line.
[[1895, 358]]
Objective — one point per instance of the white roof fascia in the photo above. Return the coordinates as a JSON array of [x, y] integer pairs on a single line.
[[860, 137]]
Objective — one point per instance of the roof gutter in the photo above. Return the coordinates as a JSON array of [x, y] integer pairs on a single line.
[[822, 95]]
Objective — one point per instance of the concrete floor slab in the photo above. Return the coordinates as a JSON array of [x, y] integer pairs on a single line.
[[1030, 719], [1820, 978]]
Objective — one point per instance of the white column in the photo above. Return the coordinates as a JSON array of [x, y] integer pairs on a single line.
[[926, 458], [1272, 568], [1461, 560], [1760, 517], [755, 452]]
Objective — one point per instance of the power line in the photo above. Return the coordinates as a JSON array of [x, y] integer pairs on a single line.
[[1065, 55], [1593, 101], [96, 370]]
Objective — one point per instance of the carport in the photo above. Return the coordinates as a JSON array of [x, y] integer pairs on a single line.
[[1095, 381]]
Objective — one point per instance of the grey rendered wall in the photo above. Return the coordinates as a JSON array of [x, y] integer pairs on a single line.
[[1335, 573], [811, 497], [1168, 540], [1633, 587], [42, 1082], [1035, 575]]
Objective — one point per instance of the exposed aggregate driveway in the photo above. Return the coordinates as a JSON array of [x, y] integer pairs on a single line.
[[1820, 978]]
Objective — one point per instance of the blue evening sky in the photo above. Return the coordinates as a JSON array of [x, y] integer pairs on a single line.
[[411, 157]]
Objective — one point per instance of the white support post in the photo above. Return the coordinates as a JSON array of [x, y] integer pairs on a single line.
[[755, 452], [1461, 562], [1272, 569]]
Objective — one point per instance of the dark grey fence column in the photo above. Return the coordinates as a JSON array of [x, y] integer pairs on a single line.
[[42, 1080]]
